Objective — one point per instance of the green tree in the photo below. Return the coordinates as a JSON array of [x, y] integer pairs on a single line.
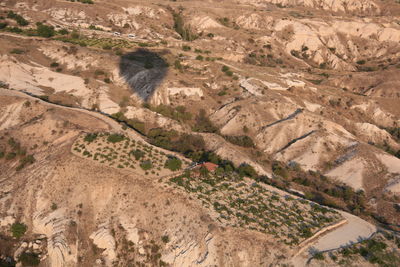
[[18, 229], [115, 138], [173, 164], [137, 153], [203, 123], [146, 165], [29, 259], [180, 27], [90, 137], [246, 170], [45, 30]]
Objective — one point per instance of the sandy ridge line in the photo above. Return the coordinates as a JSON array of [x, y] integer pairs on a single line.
[[114, 125], [118, 127]]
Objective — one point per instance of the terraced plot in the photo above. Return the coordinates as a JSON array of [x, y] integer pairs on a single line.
[[245, 203], [122, 152], [97, 42]]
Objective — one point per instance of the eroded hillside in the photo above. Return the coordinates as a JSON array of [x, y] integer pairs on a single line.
[[297, 95]]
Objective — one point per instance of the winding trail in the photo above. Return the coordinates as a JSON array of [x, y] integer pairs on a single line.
[[354, 231]]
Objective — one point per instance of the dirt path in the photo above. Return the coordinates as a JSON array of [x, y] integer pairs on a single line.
[[354, 231]]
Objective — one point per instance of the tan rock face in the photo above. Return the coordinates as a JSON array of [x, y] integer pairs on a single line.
[[309, 86], [351, 6]]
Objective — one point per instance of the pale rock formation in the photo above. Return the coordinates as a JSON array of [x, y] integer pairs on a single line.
[[201, 23], [187, 91], [123, 19], [103, 239]]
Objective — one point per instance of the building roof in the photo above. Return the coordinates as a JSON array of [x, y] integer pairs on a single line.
[[211, 167]]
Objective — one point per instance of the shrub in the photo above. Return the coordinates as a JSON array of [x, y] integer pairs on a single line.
[[63, 32], [186, 48], [54, 64], [173, 164], [203, 123], [222, 93], [180, 27], [115, 138], [225, 68], [319, 256], [137, 125], [179, 113], [146, 165], [17, 51], [279, 170], [18, 18], [18, 229], [165, 238], [14, 29], [241, 140], [107, 80], [45, 30], [246, 170], [29, 259], [30, 159], [99, 72], [75, 34], [178, 65], [137, 153], [3, 25], [90, 137], [11, 155], [199, 57]]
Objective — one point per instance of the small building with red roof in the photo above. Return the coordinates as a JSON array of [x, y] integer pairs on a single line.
[[211, 167]]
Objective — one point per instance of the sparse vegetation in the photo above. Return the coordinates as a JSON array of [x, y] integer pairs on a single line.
[[122, 152], [26, 160], [146, 165], [203, 123], [17, 51], [45, 30], [16, 151], [244, 203], [178, 113], [115, 138], [165, 238], [242, 140], [90, 137], [29, 259], [18, 229], [91, 2], [18, 18], [183, 30], [380, 250], [173, 163]]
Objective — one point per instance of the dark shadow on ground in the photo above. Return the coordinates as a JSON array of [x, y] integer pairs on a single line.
[[144, 71]]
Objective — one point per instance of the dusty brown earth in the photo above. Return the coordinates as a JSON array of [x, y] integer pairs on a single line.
[[312, 85]]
